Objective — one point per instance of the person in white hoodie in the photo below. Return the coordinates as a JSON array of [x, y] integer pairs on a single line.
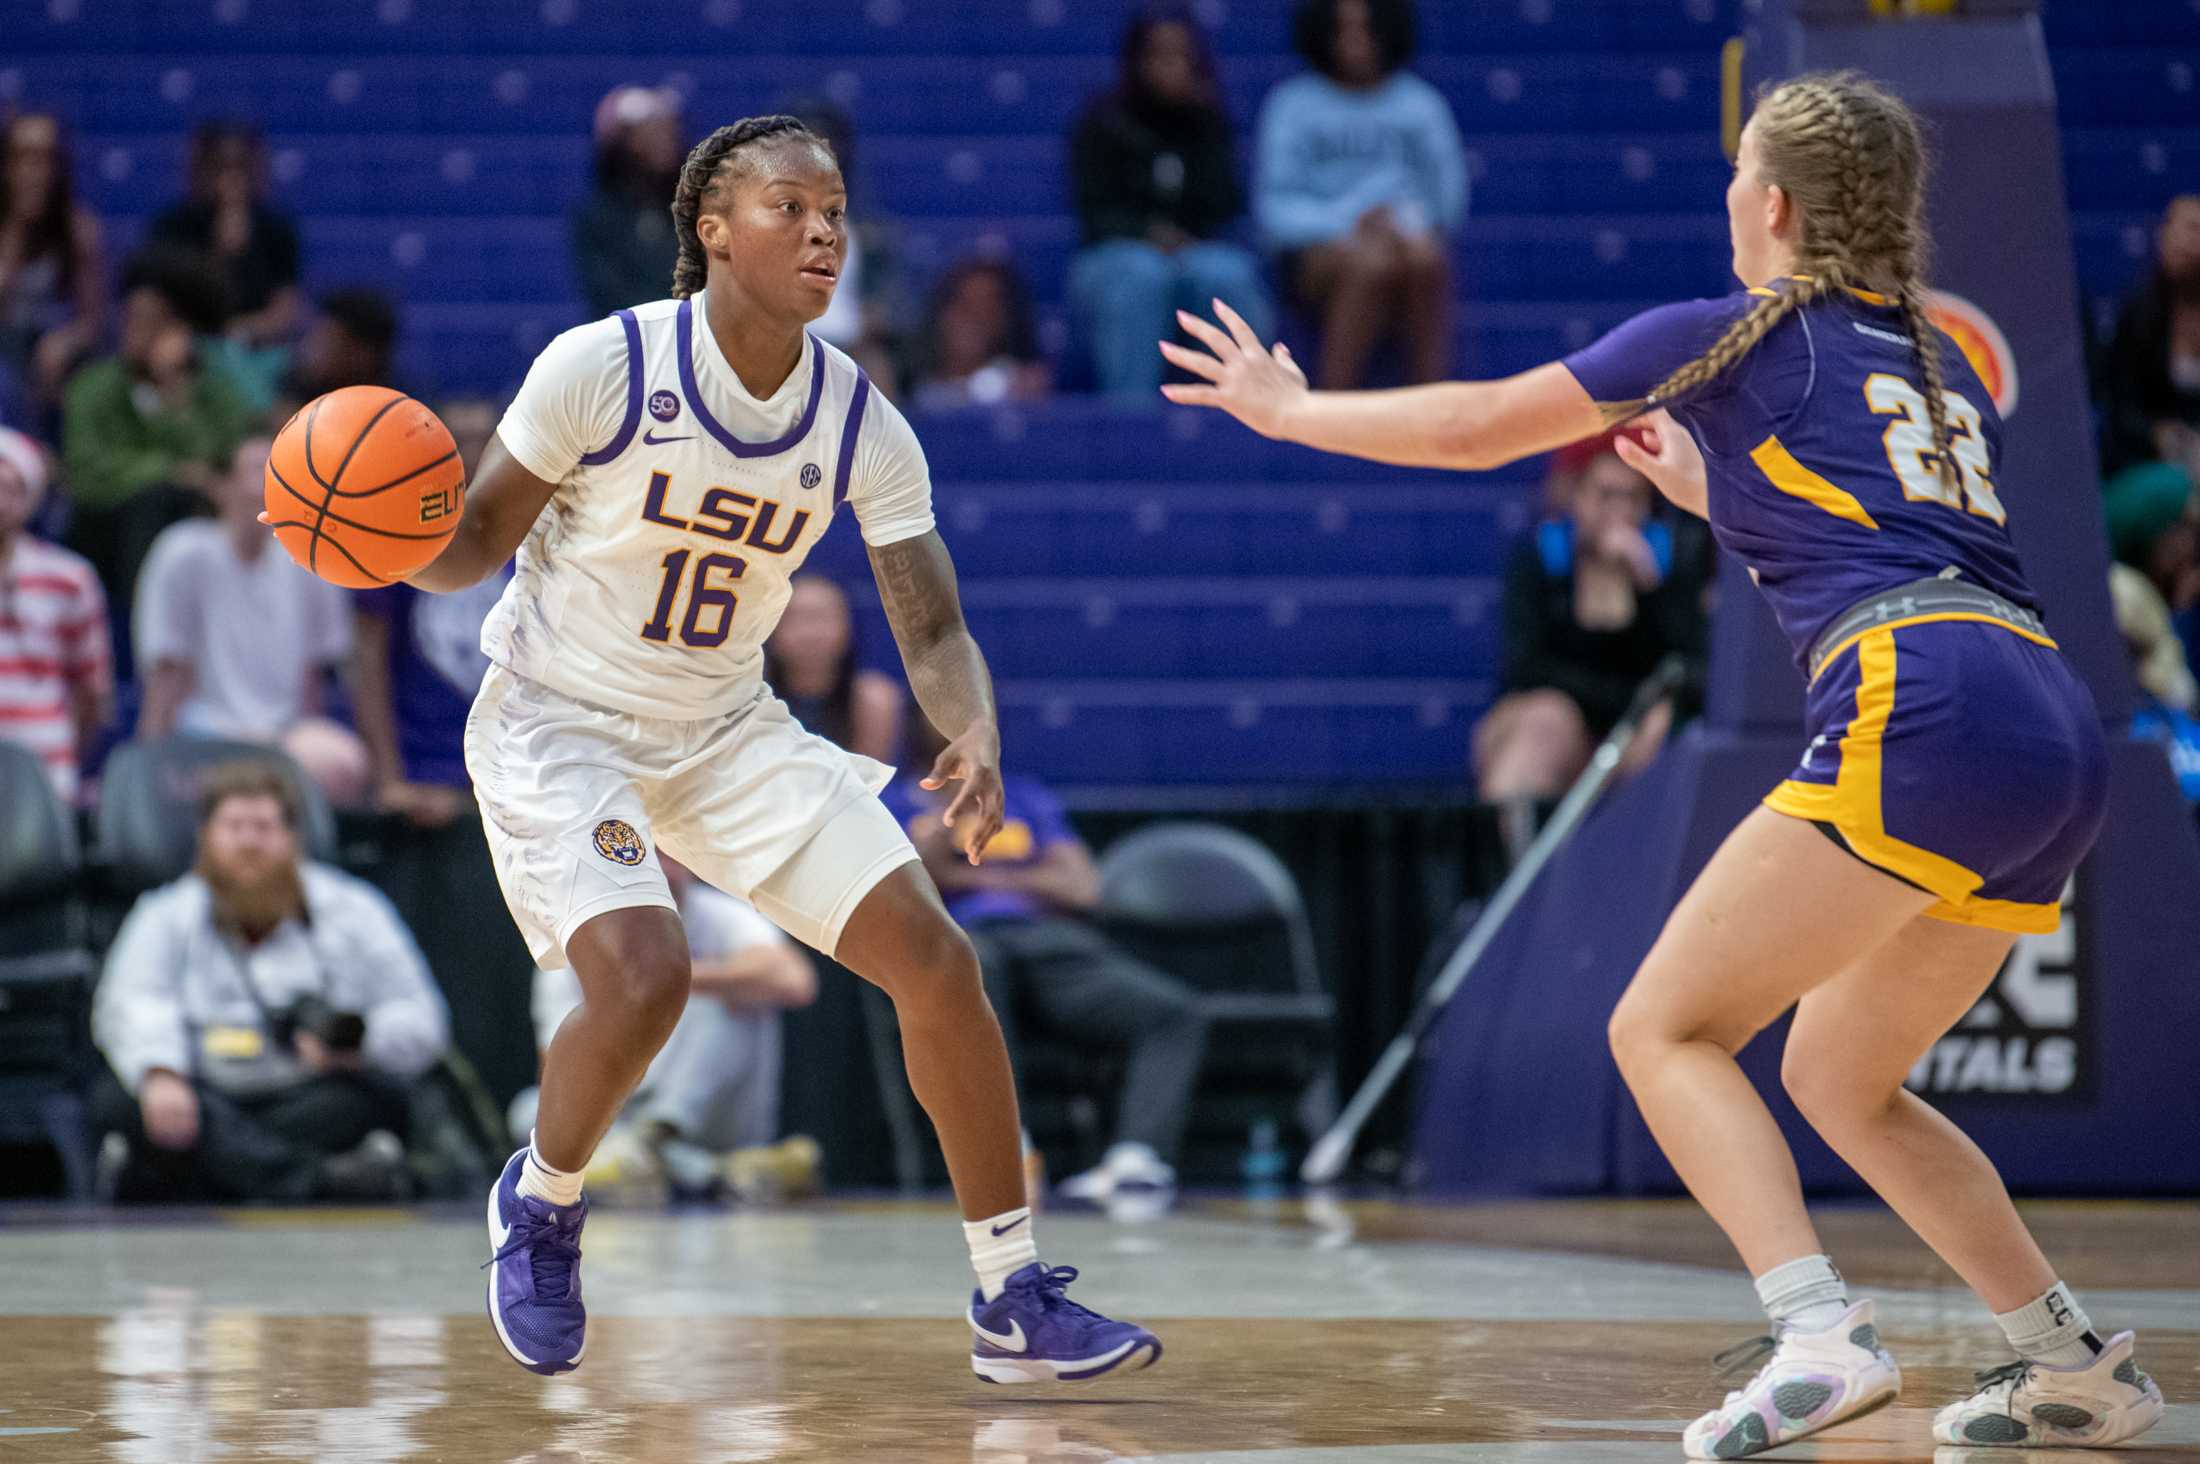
[[1360, 184], [264, 1018]]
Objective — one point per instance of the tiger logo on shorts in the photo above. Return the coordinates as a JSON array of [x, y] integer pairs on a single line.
[[617, 842]]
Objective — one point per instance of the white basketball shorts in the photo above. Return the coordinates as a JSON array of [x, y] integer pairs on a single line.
[[577, 800]]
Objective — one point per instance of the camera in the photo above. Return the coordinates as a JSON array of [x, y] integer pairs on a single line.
[[338, 1031]]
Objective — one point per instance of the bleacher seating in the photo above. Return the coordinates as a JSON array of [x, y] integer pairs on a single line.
[[1166, 599]]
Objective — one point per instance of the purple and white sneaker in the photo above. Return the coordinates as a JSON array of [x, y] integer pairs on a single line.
[[535, 1275], [1809, 1381], [1032, 1333]]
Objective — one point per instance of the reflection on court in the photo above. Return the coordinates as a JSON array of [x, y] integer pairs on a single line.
[[1366, 1334]]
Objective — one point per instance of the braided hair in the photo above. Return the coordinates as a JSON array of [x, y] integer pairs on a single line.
[[701, 178], [1851, 157]]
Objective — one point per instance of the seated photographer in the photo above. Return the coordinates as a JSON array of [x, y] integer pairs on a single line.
[[264, 1019]]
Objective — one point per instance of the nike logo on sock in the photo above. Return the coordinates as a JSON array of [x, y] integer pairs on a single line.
[[1000, 1230], [655, 441]]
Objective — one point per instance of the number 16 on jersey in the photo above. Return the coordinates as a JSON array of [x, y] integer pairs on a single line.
[[706, 598]]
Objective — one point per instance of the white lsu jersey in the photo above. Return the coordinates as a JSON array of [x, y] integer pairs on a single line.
[[684, 507]]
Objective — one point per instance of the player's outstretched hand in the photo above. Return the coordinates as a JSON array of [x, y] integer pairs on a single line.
[[974, 760], [1256, 384]]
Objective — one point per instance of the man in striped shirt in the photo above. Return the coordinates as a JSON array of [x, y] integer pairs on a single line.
[[56, 677]]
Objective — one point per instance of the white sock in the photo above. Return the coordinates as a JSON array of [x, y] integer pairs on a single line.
[[1807, 1295], [2052, 1329], [999, 1248], [538, 1180]]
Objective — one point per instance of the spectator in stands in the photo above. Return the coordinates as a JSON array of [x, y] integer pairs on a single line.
[[351, 342], [2153, 512], [622, 233], [1026, 911], [235, 639], [1155, 172], [2168, 697], [1592, 603], [264, 1018], [1360, 184], [870, 314], [706, 1116], [226, 217], [53, 267], [2151, 382], [56, 678], [144, 431], [417, 663], [981, 344], [811, 664]]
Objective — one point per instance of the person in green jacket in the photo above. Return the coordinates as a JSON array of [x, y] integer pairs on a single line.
[[144, 432]]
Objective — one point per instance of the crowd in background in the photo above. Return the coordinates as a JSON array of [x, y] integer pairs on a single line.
[[140, 597]]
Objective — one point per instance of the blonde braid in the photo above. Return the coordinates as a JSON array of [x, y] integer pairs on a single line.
[[1850, 159], [1925, 339], [1738, 340]]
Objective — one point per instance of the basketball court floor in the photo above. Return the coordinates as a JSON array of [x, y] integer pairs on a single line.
[[1296, 1333]]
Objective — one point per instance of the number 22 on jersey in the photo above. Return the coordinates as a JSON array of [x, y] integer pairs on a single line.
[[1910, 451]]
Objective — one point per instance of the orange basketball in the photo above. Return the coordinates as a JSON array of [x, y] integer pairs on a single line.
[[364, 486]]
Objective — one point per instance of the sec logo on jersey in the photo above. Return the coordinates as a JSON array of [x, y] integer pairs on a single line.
[[1984, 346], [617, 842]]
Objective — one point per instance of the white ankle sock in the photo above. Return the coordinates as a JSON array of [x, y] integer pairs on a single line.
[[1807, 1295], [2052, 1328], [999, 1248], [538, 1180]]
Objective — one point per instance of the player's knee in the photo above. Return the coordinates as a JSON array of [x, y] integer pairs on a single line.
[[1821, 1092], [636, 975], [1630, 1035], [655, 995], [938, 971]]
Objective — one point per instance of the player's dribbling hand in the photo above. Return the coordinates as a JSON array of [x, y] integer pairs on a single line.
[[1256, 384], [1660, 449], [973, 760]]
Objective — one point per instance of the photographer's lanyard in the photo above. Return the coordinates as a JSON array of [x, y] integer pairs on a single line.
[[244, 1044]]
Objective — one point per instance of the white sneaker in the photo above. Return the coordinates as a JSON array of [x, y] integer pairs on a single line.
[[1810, 1381], [1124, 1167], [2033, 1404]]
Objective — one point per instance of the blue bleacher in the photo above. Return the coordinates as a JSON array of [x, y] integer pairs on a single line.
[[1166, 599]]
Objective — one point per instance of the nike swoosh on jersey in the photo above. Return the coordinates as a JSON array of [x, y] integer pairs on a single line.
[[1012, 1340], [655, 441]]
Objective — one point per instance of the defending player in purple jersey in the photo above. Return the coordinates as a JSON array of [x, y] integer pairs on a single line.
[[1955, 775]]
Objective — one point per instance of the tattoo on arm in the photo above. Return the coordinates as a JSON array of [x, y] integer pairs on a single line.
[[916, 583]]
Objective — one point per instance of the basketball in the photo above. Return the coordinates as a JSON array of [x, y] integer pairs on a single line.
[[364, 486]]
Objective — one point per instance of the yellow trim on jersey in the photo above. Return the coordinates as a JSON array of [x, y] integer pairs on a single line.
[[1851, 802], [2010, 915], [1835, 654], [1791, 477], [1872, 297], [1764, 294]]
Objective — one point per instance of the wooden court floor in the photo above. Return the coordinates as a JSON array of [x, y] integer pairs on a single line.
[[1361, 1333]]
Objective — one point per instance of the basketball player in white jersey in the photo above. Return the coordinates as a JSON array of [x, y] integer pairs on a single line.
[[662, 475]]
